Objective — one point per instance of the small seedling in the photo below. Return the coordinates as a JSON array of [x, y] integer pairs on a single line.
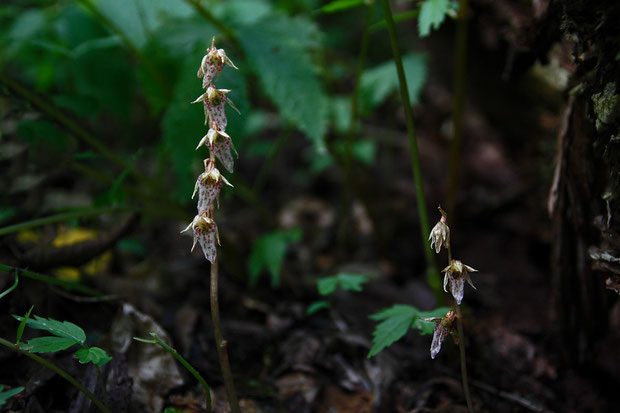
[[328, 285]]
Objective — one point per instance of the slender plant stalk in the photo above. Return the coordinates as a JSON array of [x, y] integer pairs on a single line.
[[81, 213], [50, 280], [220, 343], [460, 69], [463, 359], [459, 327], [102, 407], [206, 14], [432, 275], [157, 340], [11, 288], [347, 199], [102, 385]]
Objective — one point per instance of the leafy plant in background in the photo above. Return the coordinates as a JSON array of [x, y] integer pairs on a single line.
[[268, 253], [326, 286], [7, 394], [64, 335]]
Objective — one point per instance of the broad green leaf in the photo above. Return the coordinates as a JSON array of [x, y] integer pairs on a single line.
[[48, 344], [340, 5], [22, 325], [95, 355], [380, 81], [268, 254], [63, 329], [276, 47], [351, 282], [432, 14], [5, 395], [395, 324], [327, 285], [316, 306]]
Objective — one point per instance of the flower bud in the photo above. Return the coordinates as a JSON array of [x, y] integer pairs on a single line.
[[440, 234], [212, 64]]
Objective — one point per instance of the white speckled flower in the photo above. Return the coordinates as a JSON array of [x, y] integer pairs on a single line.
[[455, 275], [205, 233], [220, 144], [212, 64], [214, 101]]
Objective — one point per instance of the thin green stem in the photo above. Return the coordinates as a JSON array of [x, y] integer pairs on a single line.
[[460, 69], [50, 280], [102, 407], [11, 288], [432, 275], [102, 385], [220, 343], [81, 213], [180, 359], [459, 326]]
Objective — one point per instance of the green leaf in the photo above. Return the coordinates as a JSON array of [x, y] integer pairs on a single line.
[[64, 329], [380, 81], [8, 212], [316, 306], [268, 254], [340, 5], [351, 282], [5, 395], [22, 325], [432, 14], [48, 344], [327, 285], [277, 50], [395, 324], [38, 132], [93, 355]]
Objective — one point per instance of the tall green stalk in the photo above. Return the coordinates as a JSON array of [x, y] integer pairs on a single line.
[[460, 68], [432, 275]]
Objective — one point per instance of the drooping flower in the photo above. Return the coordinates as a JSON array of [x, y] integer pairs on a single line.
[[205, 233], [214, 101], [212, 64], [440, 234], [220, 144], [208, 186], [443, 326], [455, 275]]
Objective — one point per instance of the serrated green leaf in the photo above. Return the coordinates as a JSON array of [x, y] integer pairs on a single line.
[[268, 253], [351, 282], [432, 14], [316, 306], [276, 47], [22, 325], [395, 324], [93, 355], [64, 329], [48, 344], [5, 395], [380, 81]]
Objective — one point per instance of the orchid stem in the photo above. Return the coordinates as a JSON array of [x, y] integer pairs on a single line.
[[220, 343]]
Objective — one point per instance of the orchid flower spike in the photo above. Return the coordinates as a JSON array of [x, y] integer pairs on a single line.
[[214, 101], [455, 275]]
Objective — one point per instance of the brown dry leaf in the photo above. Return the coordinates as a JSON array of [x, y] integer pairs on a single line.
[[338, 401]]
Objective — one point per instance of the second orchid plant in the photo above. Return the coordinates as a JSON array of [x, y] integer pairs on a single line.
[[455, 275]]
